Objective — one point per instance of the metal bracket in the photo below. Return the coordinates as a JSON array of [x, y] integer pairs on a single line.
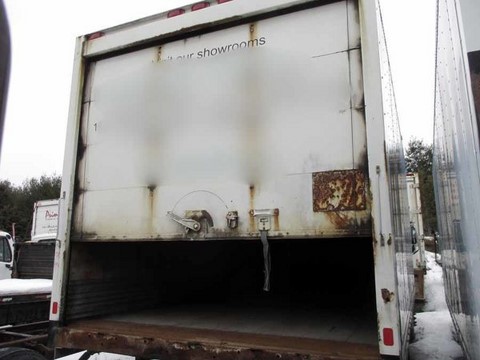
[[264, 223], [232, 219], [189, 224], [264, 218]]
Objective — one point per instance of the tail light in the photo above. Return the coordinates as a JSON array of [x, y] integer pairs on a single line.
[[388, 336], [200, 5], [175, 12]]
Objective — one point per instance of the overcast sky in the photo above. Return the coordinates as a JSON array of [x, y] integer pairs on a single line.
[[43, 38]]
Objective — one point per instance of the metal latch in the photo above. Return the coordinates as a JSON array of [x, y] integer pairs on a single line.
[[189, 224], [264, 218], [232, 219]]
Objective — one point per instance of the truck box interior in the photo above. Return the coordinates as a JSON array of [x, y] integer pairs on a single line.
[[321, 289]]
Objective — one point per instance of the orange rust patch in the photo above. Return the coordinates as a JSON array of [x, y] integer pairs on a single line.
[[339, 190]]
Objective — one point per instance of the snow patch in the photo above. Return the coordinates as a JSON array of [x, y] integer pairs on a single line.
[[24, 286], [434, 331]]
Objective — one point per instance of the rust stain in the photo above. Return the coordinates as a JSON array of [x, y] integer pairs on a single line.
[[252, 206], [374, 241], [341, 221], [387, 295], [253, 32], [151, 196], [350, 222], [276, 220], [252, 197], [339, 190], [159, 54], [151, 205], [201, 344]]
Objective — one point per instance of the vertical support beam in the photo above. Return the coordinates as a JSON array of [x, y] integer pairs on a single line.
[[384, 249]]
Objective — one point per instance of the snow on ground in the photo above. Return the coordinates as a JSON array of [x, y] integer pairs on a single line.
[[100, 356], [434, 331], [24, 286]]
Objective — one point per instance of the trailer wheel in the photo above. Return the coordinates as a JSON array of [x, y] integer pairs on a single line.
[[19, 354]]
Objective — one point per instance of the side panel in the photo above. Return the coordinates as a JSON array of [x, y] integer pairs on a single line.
[[457, 168], [252, 117], [62, 246], [392, 245]]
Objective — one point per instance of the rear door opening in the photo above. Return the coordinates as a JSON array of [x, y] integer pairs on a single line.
[[321, 289]]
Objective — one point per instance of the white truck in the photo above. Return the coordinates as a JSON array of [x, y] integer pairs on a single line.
[[33, 259], [24, 298], [457, 164], [234, 187], [45, 220], [36, 260], [25, 286], [6, 255]]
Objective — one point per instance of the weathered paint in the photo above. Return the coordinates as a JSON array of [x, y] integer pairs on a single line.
[[114, 40], [347, 221], [252, 226], [253, 32]]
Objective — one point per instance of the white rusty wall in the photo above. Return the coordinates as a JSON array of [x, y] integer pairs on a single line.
[[171, 129]]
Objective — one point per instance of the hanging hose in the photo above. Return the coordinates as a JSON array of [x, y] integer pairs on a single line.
[[266, 259]]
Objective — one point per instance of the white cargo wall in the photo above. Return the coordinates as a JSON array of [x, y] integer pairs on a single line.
[[242, 119], [457, 166]]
